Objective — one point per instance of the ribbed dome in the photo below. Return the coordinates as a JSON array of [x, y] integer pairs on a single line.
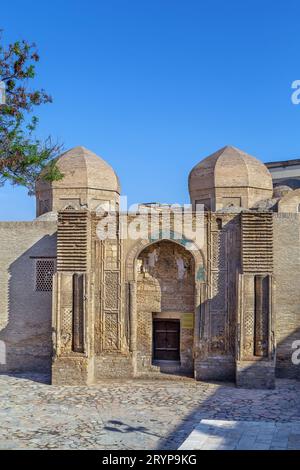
[[88, 183], [229, 176], [230, 167], [83, 169]]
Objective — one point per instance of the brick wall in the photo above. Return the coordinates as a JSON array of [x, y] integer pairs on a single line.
[[25, 314], [287, 290]]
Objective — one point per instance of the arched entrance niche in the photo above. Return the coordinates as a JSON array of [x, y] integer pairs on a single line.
[[164, 279]]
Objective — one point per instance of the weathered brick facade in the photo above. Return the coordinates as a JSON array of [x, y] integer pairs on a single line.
[[227, 308]]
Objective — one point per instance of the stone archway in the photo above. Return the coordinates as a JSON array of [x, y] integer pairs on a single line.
[[164, 278]]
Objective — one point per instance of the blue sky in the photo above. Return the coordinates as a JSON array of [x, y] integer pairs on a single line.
[[155, 86]]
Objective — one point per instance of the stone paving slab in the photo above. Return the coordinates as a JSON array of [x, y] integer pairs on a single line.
[[141, 414], [212, 434]]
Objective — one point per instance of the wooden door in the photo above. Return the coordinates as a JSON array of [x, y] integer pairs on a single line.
[[166, 340]]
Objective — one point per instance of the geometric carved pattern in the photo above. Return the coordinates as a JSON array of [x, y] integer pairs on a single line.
[[215, 242], [111, 331], [248, 332], [44, 270], [66, 330], [111, 280], [247, 297], [72, 241], [218, 250], [257, 242], [218, 280], [249, 323], [67, 320], [111, 292]]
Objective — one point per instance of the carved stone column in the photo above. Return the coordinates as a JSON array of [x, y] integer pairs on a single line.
[[72, 362], [133, 322], [255, 365]]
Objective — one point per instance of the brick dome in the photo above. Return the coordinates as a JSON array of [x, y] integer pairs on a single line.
[[84, 169], [229, 177], [87, 179]]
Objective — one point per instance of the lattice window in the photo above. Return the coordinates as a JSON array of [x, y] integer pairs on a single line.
[[44, 270]]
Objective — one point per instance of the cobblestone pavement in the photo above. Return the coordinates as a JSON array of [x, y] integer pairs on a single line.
[[140, 414]]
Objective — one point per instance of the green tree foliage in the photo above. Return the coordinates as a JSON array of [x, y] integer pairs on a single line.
[[22, 155]]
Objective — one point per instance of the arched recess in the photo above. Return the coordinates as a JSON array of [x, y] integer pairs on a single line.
[[199, 291], [197, 253], [290, 202]]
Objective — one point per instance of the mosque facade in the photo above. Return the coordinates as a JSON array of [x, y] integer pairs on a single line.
[[215, 298]]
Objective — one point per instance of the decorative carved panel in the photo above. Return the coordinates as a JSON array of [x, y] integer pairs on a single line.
[[66, 331], [218, 250], [248, 316], [111, 280], [111, 331], [249, 323], [248, 333], [67, 320], [218, 287], [111, 296]]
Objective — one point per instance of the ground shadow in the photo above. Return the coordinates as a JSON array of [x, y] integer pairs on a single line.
[[121, 427]]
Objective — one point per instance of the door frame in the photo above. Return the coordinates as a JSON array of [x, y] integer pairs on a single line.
[[171, 320]]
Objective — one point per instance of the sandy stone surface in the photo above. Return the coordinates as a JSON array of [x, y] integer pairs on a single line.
[[156, 414]]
